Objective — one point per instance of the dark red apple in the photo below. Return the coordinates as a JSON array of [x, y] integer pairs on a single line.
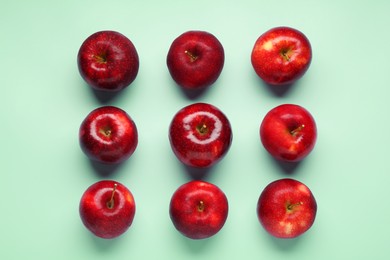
[[288, 132], [108, 61], [286, 208], [198, 209], [107, 209], [200, 135], [108, 135], [281, 55], [195, 59]]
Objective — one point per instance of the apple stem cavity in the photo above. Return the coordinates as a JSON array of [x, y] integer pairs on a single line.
[[286, 54], [297, 130], [106, 131], [192, 56], [200, 206], [102, 58], [202, 129], [110, 203], [291, 207]]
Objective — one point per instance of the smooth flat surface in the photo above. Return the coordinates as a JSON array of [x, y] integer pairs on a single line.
[[44, 100]]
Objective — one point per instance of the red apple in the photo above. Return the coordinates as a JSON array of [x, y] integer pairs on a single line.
[[281, 55], [200, 135], [108, 135], [286, 208], [198, 209], [288, 132], [195, 59], [107, 209], [108, 61]]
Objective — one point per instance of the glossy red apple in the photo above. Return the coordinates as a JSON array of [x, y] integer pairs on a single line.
[[198, 209], [288, 132], [200, 135], [195, 59], [281, 55], [107, 209], [108, 61], [286, 208], [108, 135]]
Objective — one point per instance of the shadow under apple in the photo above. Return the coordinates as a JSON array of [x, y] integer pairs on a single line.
[[287, 167], [197, 173], [110, 245], [105, 97], [193, 93], [279, 91], [196, 246], [105, 170], [285, 244]]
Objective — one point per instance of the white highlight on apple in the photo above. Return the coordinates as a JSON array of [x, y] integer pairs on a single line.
[[214, 134], [100, 193], [287, 227], [94, 129]]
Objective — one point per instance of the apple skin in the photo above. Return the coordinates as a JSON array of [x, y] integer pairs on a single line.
[[286, 208], [198, 209], [107, 209], [200, 135], [288, 132], [281, 55], [108, 61], [195, 59], [108, 135]]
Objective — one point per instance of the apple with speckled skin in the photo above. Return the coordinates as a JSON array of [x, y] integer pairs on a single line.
[[108, 61], [281, 55], [200, 135], [107, 209], [198, 209], [286, 208], [195, 59], [108, 135], [288, 132]]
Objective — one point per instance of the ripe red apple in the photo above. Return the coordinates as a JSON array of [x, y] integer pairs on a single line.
[[281, 55], [108, 60], [200, 135], [286, 208], [107, 209], [108, 135], [198, 209], [288, 132], [195, 59]]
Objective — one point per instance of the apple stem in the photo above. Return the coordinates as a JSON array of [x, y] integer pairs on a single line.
[[191, 55], [106, 131], [202, 129], [296, 130], [110, 203], [201, 206], [101, 58], [286, 54], [291, 206]]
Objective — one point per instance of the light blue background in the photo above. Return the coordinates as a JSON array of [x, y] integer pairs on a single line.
[[44, 172]]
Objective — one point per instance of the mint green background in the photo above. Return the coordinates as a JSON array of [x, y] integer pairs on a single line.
[[44, 173]]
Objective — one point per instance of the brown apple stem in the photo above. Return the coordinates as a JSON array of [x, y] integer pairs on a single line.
[[202, 129], [286, 54], [106, 131], [101, 58], [292, 206], [296, 130], [201, 206], [191, 55], [110, 203]]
